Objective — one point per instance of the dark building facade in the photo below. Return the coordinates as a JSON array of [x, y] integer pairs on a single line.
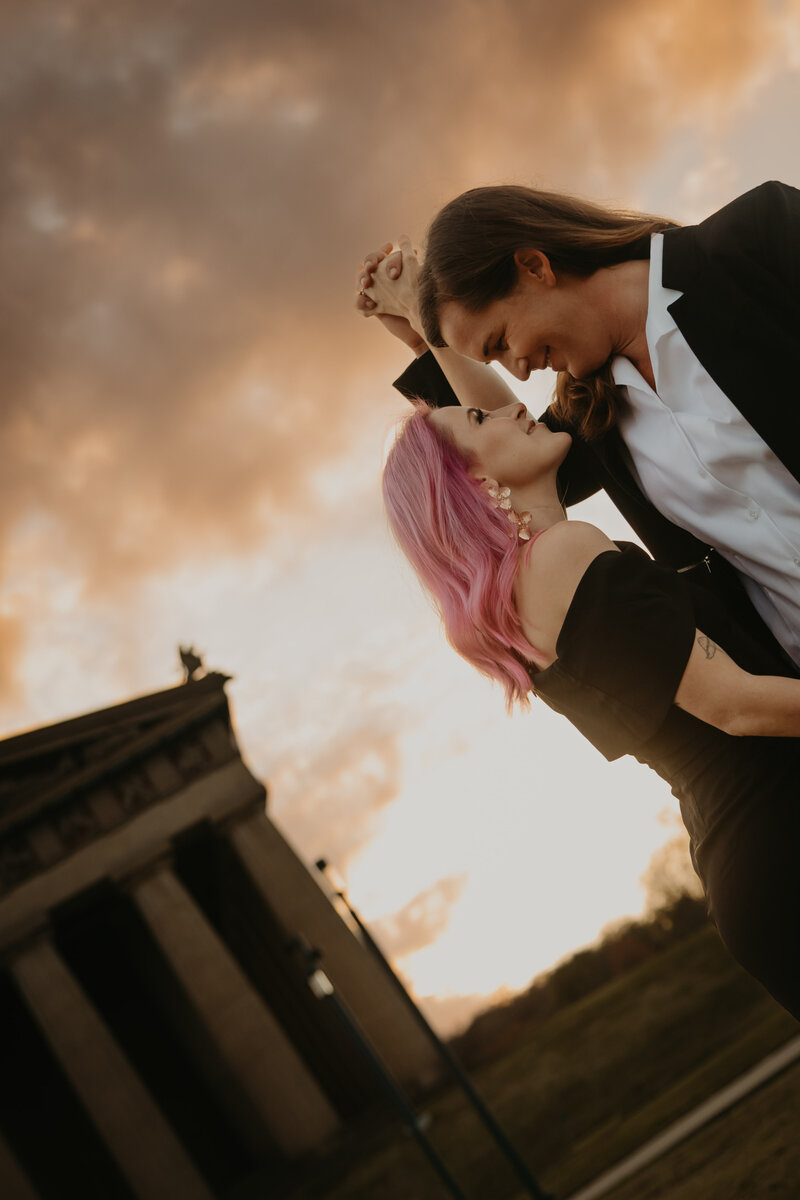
[[158, 1037]]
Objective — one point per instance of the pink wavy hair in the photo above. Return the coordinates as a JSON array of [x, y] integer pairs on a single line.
[[464, 551]]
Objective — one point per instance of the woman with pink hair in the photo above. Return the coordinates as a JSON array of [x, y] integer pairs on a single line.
[[638, 658]]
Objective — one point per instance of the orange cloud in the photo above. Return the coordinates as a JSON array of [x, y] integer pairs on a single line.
[[328, 800], [11, 631], [422, 920], [188, 193]]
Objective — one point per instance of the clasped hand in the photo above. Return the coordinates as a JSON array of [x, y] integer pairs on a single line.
[[387, 283]]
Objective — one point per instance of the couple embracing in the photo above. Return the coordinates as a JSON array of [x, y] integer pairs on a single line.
[[675, 350]]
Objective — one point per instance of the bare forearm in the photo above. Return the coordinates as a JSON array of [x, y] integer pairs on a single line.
[[772, 708], [389, 291], [476, 384], [715, 689]]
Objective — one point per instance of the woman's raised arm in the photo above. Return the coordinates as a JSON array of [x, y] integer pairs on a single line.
[[388, 289]]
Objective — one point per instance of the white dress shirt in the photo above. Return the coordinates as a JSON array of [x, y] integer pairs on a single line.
[[704, 466]]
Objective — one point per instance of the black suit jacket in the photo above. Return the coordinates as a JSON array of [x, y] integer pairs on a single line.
[[739, 272]]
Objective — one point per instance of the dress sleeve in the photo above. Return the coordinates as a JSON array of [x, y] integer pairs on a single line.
[[622, 651]]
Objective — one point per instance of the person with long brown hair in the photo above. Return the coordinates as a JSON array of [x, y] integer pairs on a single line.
[[637, 656], [673, 347]]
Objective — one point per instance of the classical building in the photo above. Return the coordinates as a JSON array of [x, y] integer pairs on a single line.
[[158, 1037]]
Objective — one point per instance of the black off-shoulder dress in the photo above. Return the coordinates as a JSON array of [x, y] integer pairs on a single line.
[[621, 653]]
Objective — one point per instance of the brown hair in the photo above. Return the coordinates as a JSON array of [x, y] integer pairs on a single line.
[[469, 258], [590, 405]]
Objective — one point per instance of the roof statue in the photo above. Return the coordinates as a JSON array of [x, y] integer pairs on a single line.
[[191, 661]]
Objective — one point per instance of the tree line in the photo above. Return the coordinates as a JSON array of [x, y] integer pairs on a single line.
[[623, 948]]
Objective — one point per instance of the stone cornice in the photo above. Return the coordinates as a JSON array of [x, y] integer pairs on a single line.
[[55, 804], [64, 734], [34, 800]]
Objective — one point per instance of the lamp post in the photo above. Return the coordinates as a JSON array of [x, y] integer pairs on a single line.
[[324, 990], [489, 1121]]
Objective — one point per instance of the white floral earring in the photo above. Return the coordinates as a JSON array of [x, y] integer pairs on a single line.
[[501, 498]]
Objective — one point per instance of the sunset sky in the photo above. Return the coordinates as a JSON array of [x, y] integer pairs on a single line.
[[194, 417]]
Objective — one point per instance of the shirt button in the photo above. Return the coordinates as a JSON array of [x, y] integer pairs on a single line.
[[754, 513], [796, 562], [703, 474]]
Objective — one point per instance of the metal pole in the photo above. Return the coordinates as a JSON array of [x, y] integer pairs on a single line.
[[323, 989], [505, 1145]]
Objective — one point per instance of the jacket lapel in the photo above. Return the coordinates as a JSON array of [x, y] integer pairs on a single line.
[[744, 337]]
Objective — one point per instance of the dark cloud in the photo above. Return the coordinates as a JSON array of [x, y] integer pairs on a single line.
[[186, 192]]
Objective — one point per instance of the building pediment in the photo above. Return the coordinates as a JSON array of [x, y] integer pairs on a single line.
[[66, 784]]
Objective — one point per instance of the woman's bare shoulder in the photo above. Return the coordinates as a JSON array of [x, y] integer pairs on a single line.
[[569, 544]]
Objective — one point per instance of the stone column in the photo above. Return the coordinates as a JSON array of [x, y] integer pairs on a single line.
[[14, 1183], [248, 1056], [300, 904], [147, 1151]]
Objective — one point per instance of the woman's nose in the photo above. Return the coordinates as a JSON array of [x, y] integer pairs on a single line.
[[512, 411]]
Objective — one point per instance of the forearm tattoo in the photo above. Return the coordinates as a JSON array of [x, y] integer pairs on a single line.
[[706, 645]]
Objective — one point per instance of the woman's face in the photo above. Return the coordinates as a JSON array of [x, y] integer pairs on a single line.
[[507, 445], [545, 322]]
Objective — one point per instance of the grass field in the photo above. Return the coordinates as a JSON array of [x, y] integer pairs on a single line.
[[749, 1153], [579, 1092]]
